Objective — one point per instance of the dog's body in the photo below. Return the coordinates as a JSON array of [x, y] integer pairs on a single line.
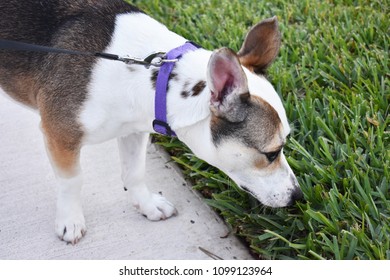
[[227, 114]]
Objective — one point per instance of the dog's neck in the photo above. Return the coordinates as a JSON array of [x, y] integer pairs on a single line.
[[186, 105], [188, 102], [131, 91], [188, 99]]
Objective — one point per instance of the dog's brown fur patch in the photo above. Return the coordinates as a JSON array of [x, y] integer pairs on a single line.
[[261, 162], [261, 129], [24, 88], [198, 88], [64, 148]]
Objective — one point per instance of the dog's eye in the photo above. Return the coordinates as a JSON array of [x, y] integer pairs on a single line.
[[272, 155]]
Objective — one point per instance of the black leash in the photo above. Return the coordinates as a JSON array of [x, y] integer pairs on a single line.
[[20, 46], [155, 59]]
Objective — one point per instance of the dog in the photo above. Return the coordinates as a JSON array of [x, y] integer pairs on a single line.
[[219, 103]]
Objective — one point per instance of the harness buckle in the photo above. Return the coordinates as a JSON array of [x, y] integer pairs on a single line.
[[163, 128]]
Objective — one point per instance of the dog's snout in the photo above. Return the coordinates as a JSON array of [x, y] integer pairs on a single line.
[[296, 195], [294, 181]]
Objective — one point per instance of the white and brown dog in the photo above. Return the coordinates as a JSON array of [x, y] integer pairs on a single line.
[[218, 103]]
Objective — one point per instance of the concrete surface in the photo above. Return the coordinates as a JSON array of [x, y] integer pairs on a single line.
[[115, 229]]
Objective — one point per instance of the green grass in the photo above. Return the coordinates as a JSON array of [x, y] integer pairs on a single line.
[[333, 75]]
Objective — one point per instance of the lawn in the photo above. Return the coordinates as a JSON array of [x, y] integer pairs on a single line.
[[333, 75]]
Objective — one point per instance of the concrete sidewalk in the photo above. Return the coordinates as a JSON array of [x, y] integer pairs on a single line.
[[115, 229]]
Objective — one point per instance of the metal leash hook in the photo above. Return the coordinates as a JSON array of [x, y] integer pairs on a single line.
[[155, 59]]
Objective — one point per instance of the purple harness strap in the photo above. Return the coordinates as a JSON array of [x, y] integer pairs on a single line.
[[160, 124]]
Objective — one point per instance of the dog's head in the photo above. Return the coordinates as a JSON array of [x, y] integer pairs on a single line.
[[248, 123]]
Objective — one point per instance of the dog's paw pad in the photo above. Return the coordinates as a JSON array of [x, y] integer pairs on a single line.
[[157, 208], [71, 231]]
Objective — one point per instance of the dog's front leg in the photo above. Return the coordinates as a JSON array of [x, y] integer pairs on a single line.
[[65, 159], [132, 151]]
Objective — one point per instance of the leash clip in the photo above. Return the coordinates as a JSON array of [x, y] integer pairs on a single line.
[[155, 59]]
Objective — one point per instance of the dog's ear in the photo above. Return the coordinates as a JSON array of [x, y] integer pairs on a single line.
[[228, 84], [261, 45]]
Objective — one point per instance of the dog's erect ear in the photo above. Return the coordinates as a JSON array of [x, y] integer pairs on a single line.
[[261, 45], [228, 84]]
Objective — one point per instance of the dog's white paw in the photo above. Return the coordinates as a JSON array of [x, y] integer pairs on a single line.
[[156, 208], [70, 228]]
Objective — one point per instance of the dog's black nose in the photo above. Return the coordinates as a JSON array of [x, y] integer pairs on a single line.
[[296, 195]]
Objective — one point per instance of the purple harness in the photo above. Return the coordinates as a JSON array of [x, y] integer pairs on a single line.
[[160, 124]]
